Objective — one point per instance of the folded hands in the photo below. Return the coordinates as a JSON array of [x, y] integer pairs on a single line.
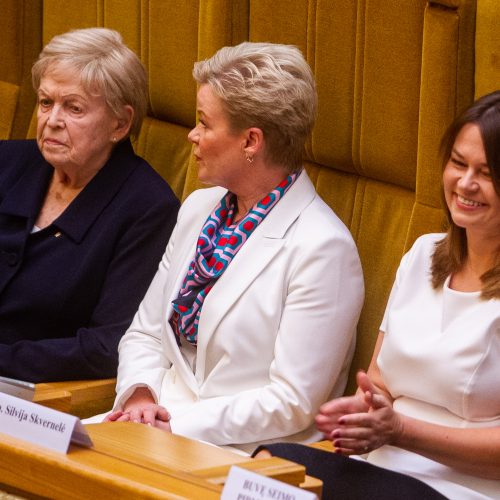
[[360, 423]]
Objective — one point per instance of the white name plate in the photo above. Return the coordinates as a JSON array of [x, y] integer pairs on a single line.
[[40, 425], [242, 484]]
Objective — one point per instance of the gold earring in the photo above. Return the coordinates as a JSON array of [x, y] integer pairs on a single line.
[[249, 158], [114, 139]]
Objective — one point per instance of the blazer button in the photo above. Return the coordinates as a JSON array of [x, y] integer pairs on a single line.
[[12, 259]]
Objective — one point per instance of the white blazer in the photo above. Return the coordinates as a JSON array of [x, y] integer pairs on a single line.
[[276, 332]]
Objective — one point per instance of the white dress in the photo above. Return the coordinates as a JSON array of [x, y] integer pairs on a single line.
[[440, 360]]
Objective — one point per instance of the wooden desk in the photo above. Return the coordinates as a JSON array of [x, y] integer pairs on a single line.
[[82, 398], [86, 473], [130, 461]]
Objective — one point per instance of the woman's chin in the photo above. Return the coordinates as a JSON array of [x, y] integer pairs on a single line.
[[205, 179], [57, 160], [207, 182]]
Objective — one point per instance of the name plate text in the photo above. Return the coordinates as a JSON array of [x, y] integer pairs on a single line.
[[40, 425]]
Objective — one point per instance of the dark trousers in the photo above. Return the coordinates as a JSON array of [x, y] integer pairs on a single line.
[[345, 478]]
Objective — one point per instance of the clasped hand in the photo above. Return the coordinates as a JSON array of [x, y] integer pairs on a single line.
[[360, 423], [141, 408]]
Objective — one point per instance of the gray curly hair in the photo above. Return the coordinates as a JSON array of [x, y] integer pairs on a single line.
[[107, 67]]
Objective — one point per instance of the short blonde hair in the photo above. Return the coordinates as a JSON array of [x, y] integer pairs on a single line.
[[107, 67], [269, 86]]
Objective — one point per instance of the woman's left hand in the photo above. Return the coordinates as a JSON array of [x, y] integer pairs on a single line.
[[360, 433], [121, 416], [141, 407]]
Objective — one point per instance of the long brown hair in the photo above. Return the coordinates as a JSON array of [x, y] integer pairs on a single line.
[[450, 253]]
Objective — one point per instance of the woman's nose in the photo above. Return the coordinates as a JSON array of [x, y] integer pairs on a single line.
[[55, 118], [193, 135], [468, 180]]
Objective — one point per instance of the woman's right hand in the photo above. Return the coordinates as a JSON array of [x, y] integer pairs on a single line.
[[327, 419], [329, 413], [141, 407]]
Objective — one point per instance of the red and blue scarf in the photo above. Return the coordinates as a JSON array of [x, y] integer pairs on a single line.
[[219, 241]]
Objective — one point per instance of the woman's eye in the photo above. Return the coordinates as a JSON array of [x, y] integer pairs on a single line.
[[486, 172], [457, 162], [44, 102], [75, 109]]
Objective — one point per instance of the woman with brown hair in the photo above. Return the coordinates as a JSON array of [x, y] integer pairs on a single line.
[[429, 405]]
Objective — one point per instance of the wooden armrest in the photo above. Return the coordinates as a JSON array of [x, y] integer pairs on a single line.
[[313, 485], [323, 445], [275, 467], [82, 398]]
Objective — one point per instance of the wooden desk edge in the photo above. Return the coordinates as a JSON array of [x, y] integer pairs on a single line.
[[276, 468], [324, 445], [82, 398]]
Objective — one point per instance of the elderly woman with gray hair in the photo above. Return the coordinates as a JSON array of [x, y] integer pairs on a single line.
[[83, 220], [250, 321]]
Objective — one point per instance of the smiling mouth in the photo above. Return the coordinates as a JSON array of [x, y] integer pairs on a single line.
[[469, 203]]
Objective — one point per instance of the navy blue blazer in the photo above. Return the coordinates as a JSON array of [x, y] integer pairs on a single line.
[[69, 291]]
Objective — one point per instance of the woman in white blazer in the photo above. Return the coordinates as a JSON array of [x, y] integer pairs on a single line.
[[249, 324]]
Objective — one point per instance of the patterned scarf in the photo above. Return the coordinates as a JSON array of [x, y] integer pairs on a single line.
[[218, 243]]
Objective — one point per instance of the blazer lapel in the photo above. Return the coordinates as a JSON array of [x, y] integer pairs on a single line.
[[257, 253], [172, 351], [185, 246]]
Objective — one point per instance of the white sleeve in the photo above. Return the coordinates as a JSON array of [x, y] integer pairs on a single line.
[[142, 359]]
